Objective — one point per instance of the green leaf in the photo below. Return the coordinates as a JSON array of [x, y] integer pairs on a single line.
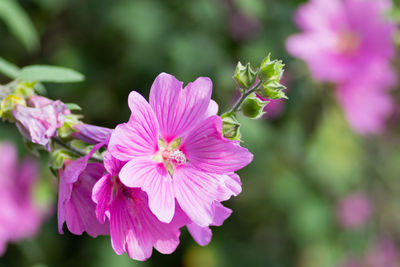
[[44, 73], [73, 106], [19, 23], [8, 69]]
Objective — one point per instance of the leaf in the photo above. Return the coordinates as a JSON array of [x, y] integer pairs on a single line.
[[19, 23], [8, 69], [44, 73], [73, 106]]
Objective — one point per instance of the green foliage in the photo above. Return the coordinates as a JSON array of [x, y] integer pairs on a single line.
[[19, 23], [8, 69], [44, 73]]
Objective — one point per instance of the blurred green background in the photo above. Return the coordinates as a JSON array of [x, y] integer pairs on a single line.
[[306, 159]]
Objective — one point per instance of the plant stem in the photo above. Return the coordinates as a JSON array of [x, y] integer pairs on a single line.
[[237, 105], [75, 150]]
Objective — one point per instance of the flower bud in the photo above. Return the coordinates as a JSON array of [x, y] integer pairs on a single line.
[[244, 76], [25, 89], [58, 158], [272, 90], [230, 126], [8, 104], [271, 70], [253, 106]]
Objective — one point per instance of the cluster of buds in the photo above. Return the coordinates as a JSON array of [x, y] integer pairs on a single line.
[[258, 86]]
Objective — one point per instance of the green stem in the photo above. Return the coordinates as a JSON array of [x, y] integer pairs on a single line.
[[75, 150], [237, 105]]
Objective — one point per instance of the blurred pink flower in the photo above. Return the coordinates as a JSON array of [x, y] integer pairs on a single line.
[[382, 254], [347, 42], [175, 150], [20, 218], [354, 211]]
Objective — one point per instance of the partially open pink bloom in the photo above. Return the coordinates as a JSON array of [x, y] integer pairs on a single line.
[[19, 218], [91, 134], [39, 121], [75, 204], [175, 150], [350, 43], [133, 227], [354, 211]]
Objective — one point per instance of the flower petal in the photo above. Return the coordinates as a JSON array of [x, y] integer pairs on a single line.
[[208, 150], [139, 136], [178, 110], [101, 195], [153, 178], [195, 192]]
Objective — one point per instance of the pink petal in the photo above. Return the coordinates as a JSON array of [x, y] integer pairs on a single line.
[[78, 209], [178, 110], [153, 178], [212, 109], [232, 185], [195, 192], [101, 195], [139, 136], [208, 150], [135, 229], [127, 233], [202, 235]]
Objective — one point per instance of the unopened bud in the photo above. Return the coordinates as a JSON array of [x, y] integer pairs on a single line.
[[244, 76], [230, 126], [271, 70], [58, 158], [272, 90], [8, 104], [253, 107]]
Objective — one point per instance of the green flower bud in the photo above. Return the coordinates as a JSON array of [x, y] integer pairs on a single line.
[[67, 128], [25, 89], [8, 104], [271, 70], [253, 106], [230, 126], [244, 76], [272, 90], [58, 158]]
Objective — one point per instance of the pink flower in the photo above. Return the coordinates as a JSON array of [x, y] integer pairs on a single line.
[[20, 218], [75, 205], [350, 43], [133, 227], [175, 150], [354, 211], [39, 121]]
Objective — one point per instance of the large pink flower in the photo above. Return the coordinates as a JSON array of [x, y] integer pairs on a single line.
[[19, 218], [175, 150]]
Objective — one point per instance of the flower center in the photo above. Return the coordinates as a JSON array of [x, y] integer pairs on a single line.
[[347, 43], [170, 154]]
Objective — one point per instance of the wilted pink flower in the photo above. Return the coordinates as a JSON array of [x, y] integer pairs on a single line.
[[354, 211], [19, 217], [39, 121], [346, 42], [175, 150], [90, 133], [75, 204]]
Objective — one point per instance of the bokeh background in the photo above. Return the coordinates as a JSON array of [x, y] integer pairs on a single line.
[[307, 160]]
